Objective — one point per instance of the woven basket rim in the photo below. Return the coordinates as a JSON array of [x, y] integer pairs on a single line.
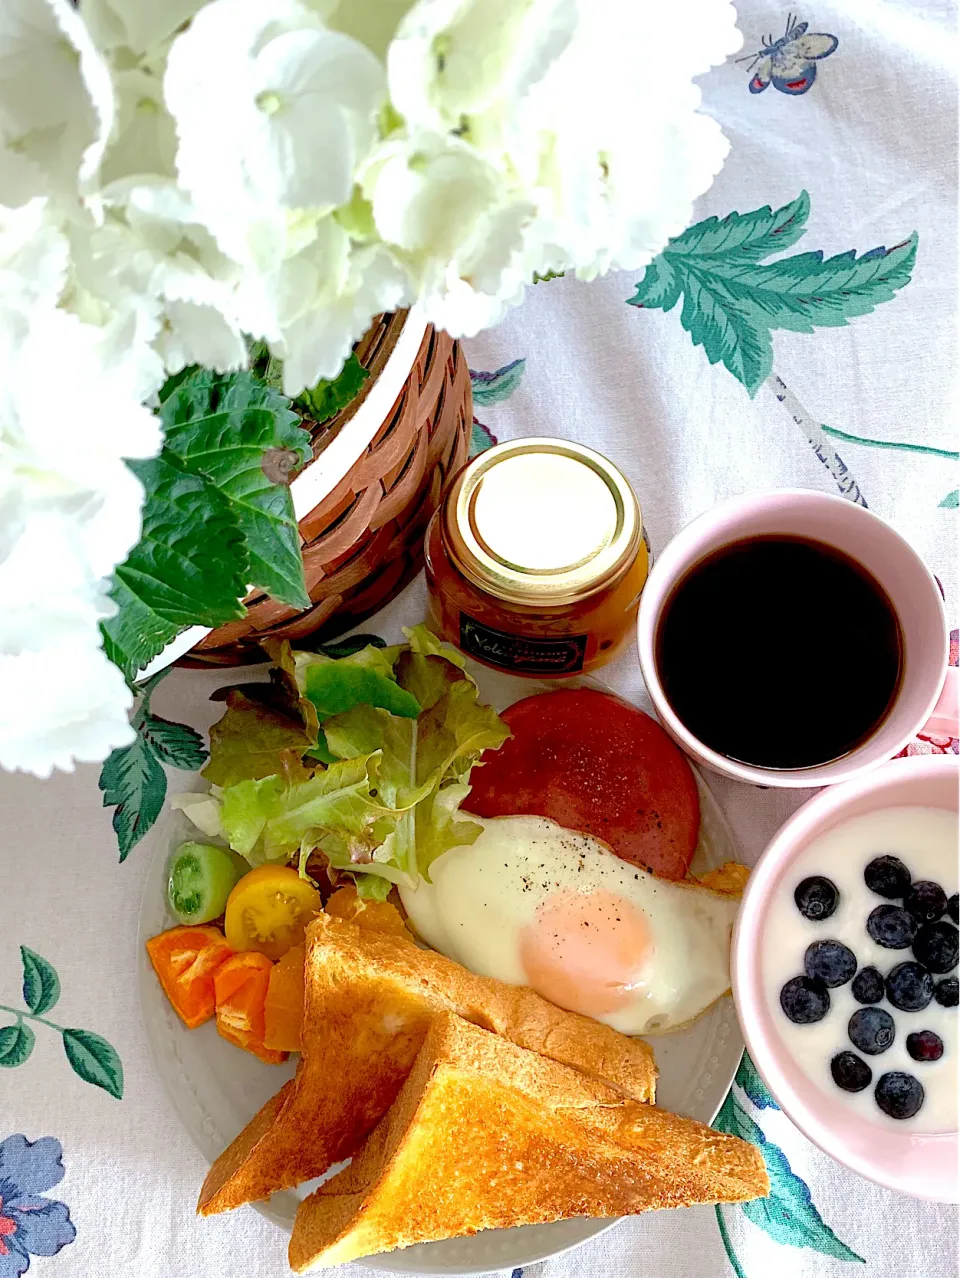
[[321, 475]]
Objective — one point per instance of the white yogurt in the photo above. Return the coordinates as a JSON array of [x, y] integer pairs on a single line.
[[925, 839]]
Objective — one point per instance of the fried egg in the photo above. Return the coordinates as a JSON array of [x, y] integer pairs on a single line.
[[532, 903]]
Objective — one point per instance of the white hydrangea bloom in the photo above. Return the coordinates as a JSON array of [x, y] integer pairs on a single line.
[[271, 107], [48, 586], [455, 224], [56, 95], [144, 143], [61, 705]]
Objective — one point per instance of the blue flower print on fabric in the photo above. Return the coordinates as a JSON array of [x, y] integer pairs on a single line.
[[30, 1224]]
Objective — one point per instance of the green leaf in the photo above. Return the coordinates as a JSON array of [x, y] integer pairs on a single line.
[[41, 984], [951, 501], [660, 287], [188, 568], [251, 741], [94, 1060], [336, 686], [806, 292], [753, 1085], [16, 1044], [744, 237], [726, 332], [230, 429], [134, 783], [493, 388], [788, 1215], [175, 744], [326, 399], [372, 887]]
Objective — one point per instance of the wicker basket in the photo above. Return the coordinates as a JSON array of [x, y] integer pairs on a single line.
[[363, 540]]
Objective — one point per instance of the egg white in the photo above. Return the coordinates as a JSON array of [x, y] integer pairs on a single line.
[[483, 896]]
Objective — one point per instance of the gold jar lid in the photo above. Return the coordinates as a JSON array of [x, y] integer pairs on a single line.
[[541, 521]]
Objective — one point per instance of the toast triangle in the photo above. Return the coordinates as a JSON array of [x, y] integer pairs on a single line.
[[370, 999], [486, 1135]]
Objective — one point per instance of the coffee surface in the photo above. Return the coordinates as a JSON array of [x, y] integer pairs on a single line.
[[780, 652]]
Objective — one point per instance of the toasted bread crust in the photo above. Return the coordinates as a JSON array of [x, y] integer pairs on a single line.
[[370, 1000], [485, 1134]]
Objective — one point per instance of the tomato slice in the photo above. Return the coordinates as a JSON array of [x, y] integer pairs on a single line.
[[186, 960], [269, 910], [594, 763]]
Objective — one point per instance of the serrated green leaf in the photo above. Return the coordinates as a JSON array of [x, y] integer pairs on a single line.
[[188, 568], [493, 388], [16, 1044], [41, 984], [326, 399], [94, 1060], [134, 783], [660, 287], [175, 744], [725, 332], [806, 291], [753, 1085], [744, 237], [788, 1215], [225, 428], [951, 501]]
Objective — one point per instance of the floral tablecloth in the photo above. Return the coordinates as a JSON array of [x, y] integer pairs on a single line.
[[832, 369]]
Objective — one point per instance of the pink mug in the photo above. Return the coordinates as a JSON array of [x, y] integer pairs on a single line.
[[929, 689]]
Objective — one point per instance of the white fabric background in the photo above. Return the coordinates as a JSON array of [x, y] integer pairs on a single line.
[[874, 143]]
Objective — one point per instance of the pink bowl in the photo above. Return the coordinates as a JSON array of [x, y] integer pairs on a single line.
[[915, 1163]]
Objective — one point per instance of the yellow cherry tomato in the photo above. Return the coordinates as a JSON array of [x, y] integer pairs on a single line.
[[269, 909]]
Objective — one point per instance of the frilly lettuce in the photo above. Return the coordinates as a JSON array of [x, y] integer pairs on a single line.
[[399, 730]]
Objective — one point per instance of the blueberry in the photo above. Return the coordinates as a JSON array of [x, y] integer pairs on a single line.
[[867, 986], [899, 1095], [909, 987], [850, 1072], [805, 1000], [887, 876], [947, 992], [937, 946], [926, 901], [816, 898], [872, 1030], [831, 961], [892, 927], [925, 1046], [953, 907]]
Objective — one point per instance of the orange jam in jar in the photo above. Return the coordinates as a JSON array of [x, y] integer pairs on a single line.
[[536, 559]]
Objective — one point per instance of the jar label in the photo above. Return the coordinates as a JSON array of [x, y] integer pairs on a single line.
[[519, 654]]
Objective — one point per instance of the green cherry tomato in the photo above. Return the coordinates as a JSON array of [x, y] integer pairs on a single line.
[[201, 878]]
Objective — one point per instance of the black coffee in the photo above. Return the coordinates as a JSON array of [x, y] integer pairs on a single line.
[[780, 652]]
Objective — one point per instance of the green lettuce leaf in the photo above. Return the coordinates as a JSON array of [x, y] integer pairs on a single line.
[[252, 741], [245, 809], [365, 678], [373, 887]]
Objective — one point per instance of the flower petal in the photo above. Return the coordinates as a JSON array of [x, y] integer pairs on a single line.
[[43, 1225], [32, 1167]]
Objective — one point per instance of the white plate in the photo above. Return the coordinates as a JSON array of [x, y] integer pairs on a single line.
[[216, 1088]]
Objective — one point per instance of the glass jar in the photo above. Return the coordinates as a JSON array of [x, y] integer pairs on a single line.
[[536, 559]]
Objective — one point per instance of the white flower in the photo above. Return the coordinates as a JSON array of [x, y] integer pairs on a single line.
[[137, 25], [454, 222], [49, 588], [271, 108], [454, 60], [34, 256], [56, 96], [63, 704], [144, 141]]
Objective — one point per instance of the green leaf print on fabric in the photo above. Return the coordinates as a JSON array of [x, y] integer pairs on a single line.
[[753, 1085], [132, 779], [788, 1216], [91, 1057], [733, 300], [492, 388], [94, 1060], [951, 501], [41, 985]]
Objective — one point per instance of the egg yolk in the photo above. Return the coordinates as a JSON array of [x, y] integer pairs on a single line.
[[586, 951]]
